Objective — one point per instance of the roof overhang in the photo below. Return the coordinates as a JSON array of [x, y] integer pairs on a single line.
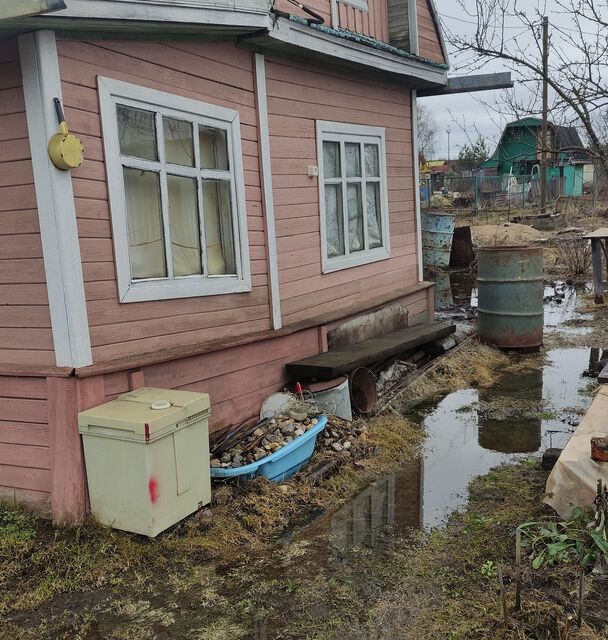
[[145, 18], [250, 22], [310, 43], [471, 84], [15, 9]]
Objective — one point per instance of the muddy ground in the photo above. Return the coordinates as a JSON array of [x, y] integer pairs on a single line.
[[402, 540]]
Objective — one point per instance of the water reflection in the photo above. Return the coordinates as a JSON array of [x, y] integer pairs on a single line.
[[469, 432], [512, 425]]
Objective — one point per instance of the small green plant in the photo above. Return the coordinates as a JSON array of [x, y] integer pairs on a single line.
[[582, 539], [489, 569]]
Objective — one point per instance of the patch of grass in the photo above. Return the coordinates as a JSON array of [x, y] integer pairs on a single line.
[[438, 585], [51, 570], [473, 365]]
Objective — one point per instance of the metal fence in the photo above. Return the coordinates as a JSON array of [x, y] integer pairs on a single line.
[[487, 192]]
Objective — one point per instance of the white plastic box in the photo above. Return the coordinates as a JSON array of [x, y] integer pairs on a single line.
[[147, 458]]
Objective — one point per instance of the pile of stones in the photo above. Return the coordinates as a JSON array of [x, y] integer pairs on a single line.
[[263, 441], [341, 436]]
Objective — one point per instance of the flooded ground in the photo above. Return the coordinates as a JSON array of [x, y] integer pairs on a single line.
[[361, 571]]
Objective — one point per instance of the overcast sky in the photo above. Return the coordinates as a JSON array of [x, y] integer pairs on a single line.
[[450, 112]]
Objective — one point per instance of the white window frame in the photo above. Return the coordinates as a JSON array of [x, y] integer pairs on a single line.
[[356, 4], [342, 132], [114, 92]]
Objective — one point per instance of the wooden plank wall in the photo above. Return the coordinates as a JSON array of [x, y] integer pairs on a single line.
[[217, 73], [25, 322], [237, 379], [298, 95], [373, 23], [429, 43], [25, 459]]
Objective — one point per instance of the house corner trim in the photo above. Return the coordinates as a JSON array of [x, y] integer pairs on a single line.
[[416, 160], [268, 200], [55, 202]]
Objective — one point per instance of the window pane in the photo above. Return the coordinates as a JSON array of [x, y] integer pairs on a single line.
[[214, 148], [374, 218], [136, 132], [372, 161], [331, 160], [353, 160], [184, 225], [179, 148], [144, 220], [355, 218], [334, 220], [219, 235]]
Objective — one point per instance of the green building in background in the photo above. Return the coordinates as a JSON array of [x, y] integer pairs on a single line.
[[519, 153]]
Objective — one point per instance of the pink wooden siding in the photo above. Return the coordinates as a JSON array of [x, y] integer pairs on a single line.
[[373, 23], [429, 43], [25, 459], [297, 96], [237, 379], [215, 73], [25, 323]]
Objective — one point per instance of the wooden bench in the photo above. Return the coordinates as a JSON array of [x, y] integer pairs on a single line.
[[331, 364]]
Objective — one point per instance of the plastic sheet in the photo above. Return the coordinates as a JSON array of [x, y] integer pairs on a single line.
[[573, 481]]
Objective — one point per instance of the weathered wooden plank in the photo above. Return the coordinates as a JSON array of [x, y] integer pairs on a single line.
[[68, 477], [24, 433], [25, 455], [331, 364], [25, 478], [603, 376]]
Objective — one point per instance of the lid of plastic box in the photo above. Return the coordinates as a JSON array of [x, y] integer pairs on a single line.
[[146, 411]]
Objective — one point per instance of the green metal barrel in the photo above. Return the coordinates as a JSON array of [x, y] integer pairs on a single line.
[[437, 236], [510, 282]]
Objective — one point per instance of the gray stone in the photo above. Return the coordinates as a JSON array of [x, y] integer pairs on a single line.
[[215, 463], [336, 446], [346, 445]]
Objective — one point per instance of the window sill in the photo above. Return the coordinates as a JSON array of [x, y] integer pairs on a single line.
[[187, 288], [355, 260]]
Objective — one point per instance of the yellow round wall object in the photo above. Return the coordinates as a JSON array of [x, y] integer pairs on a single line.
[[66, 151]]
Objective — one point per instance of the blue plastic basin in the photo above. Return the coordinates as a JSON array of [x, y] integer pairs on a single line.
[[283, 463]]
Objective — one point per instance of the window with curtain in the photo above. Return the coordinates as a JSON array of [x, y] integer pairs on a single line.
[[177, 194], [353, 194]]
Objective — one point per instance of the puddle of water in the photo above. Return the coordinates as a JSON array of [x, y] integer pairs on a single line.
[[468, 433]]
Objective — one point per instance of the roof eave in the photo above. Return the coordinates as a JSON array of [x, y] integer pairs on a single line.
[[313, 43]]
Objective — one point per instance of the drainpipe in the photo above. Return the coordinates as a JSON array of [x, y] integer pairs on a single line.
[[10, 9]]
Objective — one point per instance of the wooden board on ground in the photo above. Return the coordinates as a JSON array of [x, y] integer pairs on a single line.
[[331, 364], [603, 376]]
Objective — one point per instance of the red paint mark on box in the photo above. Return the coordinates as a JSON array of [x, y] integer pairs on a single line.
[[153, 489]]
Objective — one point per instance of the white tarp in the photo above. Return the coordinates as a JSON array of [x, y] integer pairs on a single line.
[[573, 481]]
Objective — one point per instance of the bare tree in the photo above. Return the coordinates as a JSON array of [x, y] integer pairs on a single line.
[[578, 67], [427, 132]]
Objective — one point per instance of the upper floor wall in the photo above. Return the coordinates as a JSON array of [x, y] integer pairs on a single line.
[[388, 21]]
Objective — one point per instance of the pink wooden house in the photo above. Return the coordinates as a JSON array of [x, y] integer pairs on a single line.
[[249, 183]]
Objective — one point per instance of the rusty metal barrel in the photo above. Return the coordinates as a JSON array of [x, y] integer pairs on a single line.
[[510, 283], [437, 236]]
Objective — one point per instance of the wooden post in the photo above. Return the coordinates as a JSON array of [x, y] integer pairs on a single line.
[[66, 397], [596, 258], [503, 596], [136, 379], [545, 126]]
